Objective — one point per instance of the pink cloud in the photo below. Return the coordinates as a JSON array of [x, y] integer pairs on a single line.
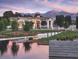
[[56, 5], [16, 9]]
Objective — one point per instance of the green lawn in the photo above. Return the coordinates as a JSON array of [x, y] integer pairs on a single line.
[[45, 30]]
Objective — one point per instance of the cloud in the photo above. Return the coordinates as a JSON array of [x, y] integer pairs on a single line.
[[72, 8], [14, 9], [31, 6], [24, 6]]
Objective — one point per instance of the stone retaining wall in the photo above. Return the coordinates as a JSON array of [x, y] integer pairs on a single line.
[[63, 49]]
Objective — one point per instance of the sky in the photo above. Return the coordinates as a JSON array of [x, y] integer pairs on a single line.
[[42, 6]]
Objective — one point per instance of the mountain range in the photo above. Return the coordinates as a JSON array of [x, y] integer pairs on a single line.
[[53, 13]]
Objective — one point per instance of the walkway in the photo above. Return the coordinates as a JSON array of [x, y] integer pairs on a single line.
[[38, 36]]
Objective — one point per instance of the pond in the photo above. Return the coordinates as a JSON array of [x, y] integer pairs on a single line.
[[21, 50]]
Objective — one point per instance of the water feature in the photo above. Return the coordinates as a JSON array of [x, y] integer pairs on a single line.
[[23, 50], [19, 49]]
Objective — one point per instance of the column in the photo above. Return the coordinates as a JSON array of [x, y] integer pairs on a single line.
[[52, 21], [34, 26], [40, 24], [33, 23], [47, 24]]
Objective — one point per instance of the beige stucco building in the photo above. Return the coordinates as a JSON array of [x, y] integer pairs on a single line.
[[39, 22]]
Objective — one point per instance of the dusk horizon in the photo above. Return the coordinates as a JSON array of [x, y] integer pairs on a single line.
[[38, 29], [42, 6]]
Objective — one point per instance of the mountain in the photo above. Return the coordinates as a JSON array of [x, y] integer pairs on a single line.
[[53, 13]]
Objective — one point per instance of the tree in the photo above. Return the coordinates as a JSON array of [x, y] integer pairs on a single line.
[[60, 20], [68, 18], [14, 25], [63, 21], [2, 26], [8, 14], [27, 26], [67, 21], [17, 14], [6, 21], [77, 22]]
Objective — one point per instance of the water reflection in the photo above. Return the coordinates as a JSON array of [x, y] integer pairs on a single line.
[[27, 46], [17, 50], [3, 46], [14, 48]]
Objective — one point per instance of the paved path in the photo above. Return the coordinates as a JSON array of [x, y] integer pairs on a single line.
[[16, 38]]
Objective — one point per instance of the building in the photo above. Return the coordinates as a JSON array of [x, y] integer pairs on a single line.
[[39, 22]]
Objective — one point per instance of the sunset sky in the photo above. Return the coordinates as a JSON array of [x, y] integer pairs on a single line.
[[31, 6]]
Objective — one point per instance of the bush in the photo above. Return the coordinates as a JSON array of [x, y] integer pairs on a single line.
[[66, 35], [28, 26], [14, 25]]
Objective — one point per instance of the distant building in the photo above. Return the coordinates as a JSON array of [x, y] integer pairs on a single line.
[[39, 22]]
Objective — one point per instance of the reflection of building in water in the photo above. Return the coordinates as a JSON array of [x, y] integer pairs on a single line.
[[39, 22]]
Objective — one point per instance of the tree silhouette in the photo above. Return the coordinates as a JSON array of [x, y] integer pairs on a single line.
[[17, 14], [60, 20], [63, 21], [8, 14], [67, 21]]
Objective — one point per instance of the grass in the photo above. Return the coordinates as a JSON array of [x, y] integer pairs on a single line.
[[21, 33], [45, 30], [66, 35]]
